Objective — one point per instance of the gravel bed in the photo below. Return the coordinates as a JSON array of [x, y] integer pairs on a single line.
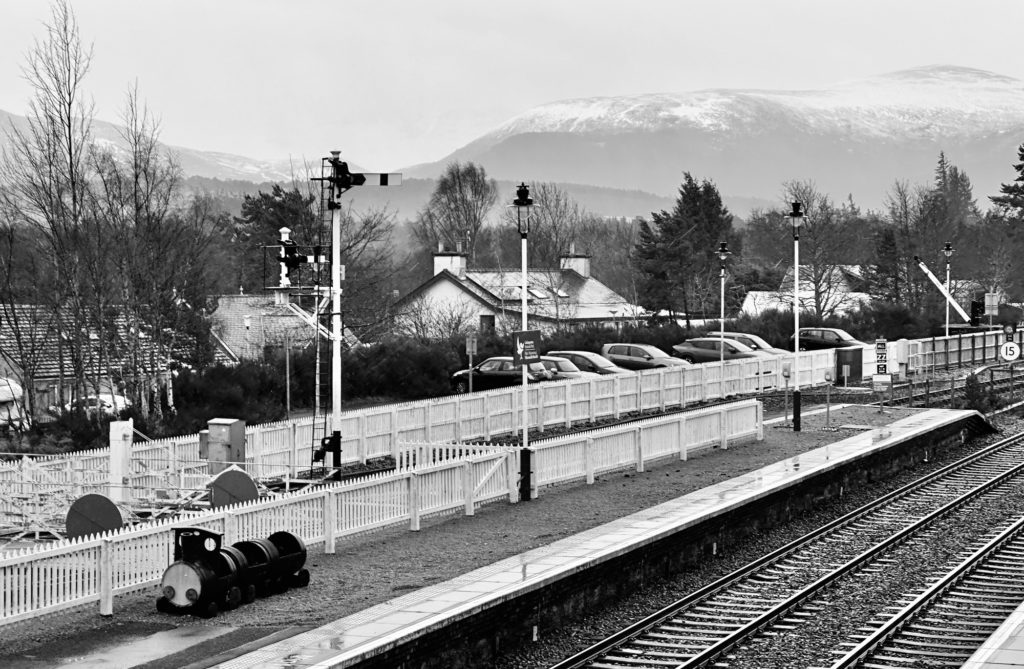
[[559, 644], [854, 601]]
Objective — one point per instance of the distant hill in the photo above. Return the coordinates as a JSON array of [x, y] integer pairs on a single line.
[[855, 138]]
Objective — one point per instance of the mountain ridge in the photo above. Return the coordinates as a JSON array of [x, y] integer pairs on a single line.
[[853, 138]]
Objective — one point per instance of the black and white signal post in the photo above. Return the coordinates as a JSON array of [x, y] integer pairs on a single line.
[[341, 180]]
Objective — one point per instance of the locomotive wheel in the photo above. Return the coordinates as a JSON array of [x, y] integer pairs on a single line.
[[300, 579], [233, 598], [249, 595], [208, 611]]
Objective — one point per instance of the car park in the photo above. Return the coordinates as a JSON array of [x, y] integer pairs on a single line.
[[755, 342], [812, 339], [640, 356], [498, 372], [713, 349], [562, 369], [589, 361]]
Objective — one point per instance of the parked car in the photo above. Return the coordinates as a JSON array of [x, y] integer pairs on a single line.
[[591, 362], [105, 404], [812, 339], [562, 369], [640, 356], [498, 372], [713, 349], [755, 342]]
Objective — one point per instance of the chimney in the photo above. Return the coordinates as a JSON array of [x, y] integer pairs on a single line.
[[453, 261], [578, 263]]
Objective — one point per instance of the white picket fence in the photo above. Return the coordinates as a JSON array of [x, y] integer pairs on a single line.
[[170, 468], [449, 478]]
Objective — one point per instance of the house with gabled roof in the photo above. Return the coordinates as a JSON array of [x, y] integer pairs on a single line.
[[36, 350], [456, 299]]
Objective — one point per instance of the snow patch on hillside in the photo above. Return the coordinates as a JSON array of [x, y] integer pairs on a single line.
[[925, 102]]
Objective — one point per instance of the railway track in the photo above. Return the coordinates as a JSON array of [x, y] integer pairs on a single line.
[[780, 592], [947, 622]]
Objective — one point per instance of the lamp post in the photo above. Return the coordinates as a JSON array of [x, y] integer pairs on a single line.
[[522, 203], [796, 217], [723, 254], [948, 250]]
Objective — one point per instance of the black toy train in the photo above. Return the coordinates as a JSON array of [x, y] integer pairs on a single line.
[[206, 577]]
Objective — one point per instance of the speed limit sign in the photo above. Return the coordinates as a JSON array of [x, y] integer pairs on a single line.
[[1009, 351]]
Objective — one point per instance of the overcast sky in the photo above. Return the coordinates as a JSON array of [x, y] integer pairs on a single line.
[[396, 82]]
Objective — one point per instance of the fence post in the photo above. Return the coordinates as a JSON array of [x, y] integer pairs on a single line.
[[230, 528], [723, 428], [512, 472], [293, 457], [106, 579], [458, 418], [526, 486], [427, 422], [567, 394], [593, 401], [539, 404], [682, 436], [588, 459], [760, 420], [638, 449], [661, 388], [467, 487], [330, 522], [414, 502], [618, 393], [394, 433]]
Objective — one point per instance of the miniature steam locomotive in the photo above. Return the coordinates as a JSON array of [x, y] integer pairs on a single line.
[[207, 577]]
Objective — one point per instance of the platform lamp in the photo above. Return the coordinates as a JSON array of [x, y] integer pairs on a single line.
[[723, 254], [948, 250], [796, 217], [523, 203]]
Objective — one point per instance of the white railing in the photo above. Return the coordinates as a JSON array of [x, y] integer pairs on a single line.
[[168, 468], [449, 478], [938, 353], [171, 467]]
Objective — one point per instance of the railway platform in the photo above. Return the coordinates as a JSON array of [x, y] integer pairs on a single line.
[[454, 623], [1005, 648]]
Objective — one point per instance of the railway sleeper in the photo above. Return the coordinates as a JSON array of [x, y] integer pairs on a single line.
[[948, 635]]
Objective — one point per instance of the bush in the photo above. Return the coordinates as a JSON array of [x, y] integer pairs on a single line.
[[979, 396]]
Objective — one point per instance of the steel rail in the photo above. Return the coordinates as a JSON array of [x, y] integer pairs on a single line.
[[590, 656], [888, 632]]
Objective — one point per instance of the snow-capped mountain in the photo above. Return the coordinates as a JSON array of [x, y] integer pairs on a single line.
[[853, 138]]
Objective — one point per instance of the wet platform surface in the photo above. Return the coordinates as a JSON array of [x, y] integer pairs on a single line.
[[343, 642]]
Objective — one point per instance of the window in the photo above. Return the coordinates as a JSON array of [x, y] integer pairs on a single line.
[[486, 322], [618, 350], [490, 366], [506, 366]]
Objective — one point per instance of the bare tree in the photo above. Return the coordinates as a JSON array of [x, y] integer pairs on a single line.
[[826, 238], [457, 209], [46, 173], [427, 319]]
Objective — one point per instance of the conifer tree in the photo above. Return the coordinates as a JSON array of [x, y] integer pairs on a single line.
[[1011, 199], [675, 254]]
